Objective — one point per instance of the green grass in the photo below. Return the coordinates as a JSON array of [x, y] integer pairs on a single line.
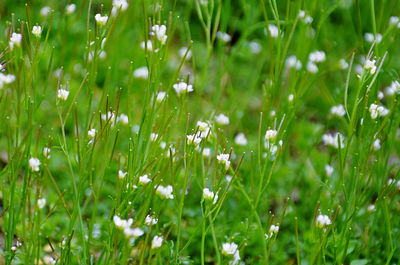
[[100, 209]]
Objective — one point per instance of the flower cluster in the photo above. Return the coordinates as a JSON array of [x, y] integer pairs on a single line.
[[332, 140], [125, 225], [377, 111], [323, 221], [231, 250], [165, 192], [224, 159]]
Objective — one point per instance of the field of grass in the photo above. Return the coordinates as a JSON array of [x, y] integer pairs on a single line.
[[199, 132]]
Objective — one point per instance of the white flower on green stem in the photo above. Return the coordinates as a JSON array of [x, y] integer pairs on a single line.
[[101, 20], [160, 96], [376, 145], [150, 220], [45, 11], [206, 152], [144, 179], [159, 31], [165, 192], [133, 232], [328, 170], [69, 9], [149, 45], [332, 140], [194, 139], [370, 66], [182, 51], [62, 94], [224, 160], [34, 164], [156, 242], [322, 221], [231, 250], [141, 73], [37, 31], [210, 196], [182, 88], [15, 39], [46, 152], [121, 174], [92, 133], [222, 119], [119, 5], [41, 203], [225, 37], [338, 110], [240, 139], [124, 119], [377, 111]]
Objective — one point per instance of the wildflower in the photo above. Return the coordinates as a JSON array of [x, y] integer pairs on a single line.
[[231, 250], [274, 229], [69, 9], [41, 203], [393, 20], [144, 179], [62, 94], [328, 170], [121, 223], [370, 66], [159, 31], [46, 152], [308, 19], [376, 145], [273, 31], [133, 232], [194, 139], [332, 140], [377, 111], [241, 139], [119, 5], [204, 128], [312, 67], [124, 119], [343, 64], [15, 39], [317, 57], [293, 62], [6, 79], [221, 119], [224, 159], [101, 20], [209, 195], [206, 152], [182, 88], [149, 45], [270, 135], [371, 208], [157, 241], [49, 260], [338, 110], [150, 220], [301, 14], [122, 174], [45, 11], [160, 96], [141, 73], [272, 113], [153, 137], [225, 37], [255, 47], [165, 192], [34, 164], [393, 88], [92, 133], [323, 220], [369, 37], [37, 31], [163, 145], [182, 51], [290, 97]]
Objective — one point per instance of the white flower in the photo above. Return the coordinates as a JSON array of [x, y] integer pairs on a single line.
[[312, 67], [119, 4], [241, 139], [69, 9], [308, 19], [377, 111], [209, 195], [122, 174], [159, 31], [121, 223], [393, 88], [150, 220], [62, 94], [182, 88], [225, 37], [92, 133], [317, 57], [37, 31], [153, 137], [338, 110], [393, 20], [273, 31], [144, 179], [301, 14], [45, 11], [328, 170], [46, 152], [204, 128], [377, 144], [141, 73], [274, 229], [293, 62], [163, 145], [370, 66], [323, 220], [255, 47], [15, 39], [41, 203], [194, 139], [157, 241], [270, 135], [224, 159], [381, 95], [165, 192], [229, 249], [332, 140], [371, 208], [49, 260], [124, 119], [101, 20], [221, 119], [34, 164], [160, 96], [290, 97], [343, 64], [149, 45], [182, 51], [369, 37], [133, 232], [206, 152]]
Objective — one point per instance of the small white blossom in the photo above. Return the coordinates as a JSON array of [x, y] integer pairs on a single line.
[[149, 45], [240, 139], [371, 208], [119, 5], [159, 31], [69, 9], [182, 88], [224, 159], [317, 57], [273, 31], [101, 20], [62, 94], [160, 96], [255, 47], [338, 110], [231, 250], [41, 203], [393, 88], [312, 67], [328, 170], [369, 37], [293, 62], [332, 140], [165, 192], [370, 66], [182, 51], [45, 11], [221, 119], [46, 152], [308, 19], [204, 128], [225, 37], [393, 20], [156, 242], [34, 164], [141, 73], [150, 220], [206, 152], [194, 139], [37, 31], [377, 111], [92, 133], [323, 220], [209, 195], [153, 137], [124, 119], [15, 39], [290, 97], [377, 144], [122, 174], [133, 232], [144, 179], [343, 64], [274, 229], [270, 135]]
